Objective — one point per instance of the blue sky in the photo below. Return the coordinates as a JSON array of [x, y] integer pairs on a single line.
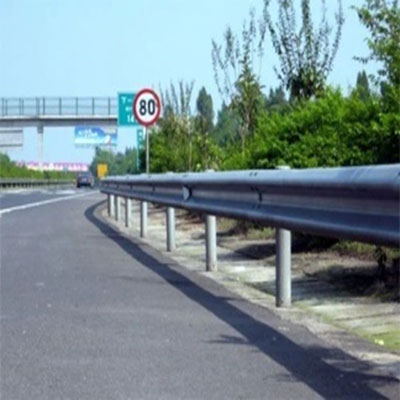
[[101, 47]]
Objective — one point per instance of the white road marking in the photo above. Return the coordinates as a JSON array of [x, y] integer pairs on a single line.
[[41, 203]]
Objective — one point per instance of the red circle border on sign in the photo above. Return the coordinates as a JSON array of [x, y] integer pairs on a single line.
[[158, 101]]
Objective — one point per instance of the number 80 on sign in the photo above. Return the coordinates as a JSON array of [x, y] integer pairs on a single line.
[[147, 107]]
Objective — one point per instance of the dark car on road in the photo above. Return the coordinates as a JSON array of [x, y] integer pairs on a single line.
[[84, 179]]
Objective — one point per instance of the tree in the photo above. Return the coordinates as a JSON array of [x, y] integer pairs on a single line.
[[382, 19], [178, 113], [226, 130], [118, 164], [276, 99], [205, 111], [362, 85], [236, 53], [236, 76], [307, 55], [204, 124], [248, 103]]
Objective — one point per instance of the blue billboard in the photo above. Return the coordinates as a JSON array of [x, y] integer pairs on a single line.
[[88, 136]]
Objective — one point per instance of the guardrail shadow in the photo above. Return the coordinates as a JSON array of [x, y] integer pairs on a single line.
[[323, 368]]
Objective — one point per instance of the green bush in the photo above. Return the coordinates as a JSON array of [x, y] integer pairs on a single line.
[[8, 169], [326, 132]]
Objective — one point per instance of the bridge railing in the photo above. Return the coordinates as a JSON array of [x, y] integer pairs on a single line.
[[358, 203], [58, 106]]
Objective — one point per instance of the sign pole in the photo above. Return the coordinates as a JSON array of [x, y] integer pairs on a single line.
[[146, 132]]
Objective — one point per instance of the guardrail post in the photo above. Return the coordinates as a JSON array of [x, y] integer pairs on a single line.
[[211, 243], [117, 207], [170, 228], [283, 268], [128, 212], [109, 204], [112, 205], [143, 219], [283, 281], [211, 240]]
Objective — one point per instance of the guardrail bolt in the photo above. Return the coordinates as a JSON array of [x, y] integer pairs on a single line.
[[143, 219], [128, 212], [170, 229]]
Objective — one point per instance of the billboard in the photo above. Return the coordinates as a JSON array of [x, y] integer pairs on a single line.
[[11, 138], [87, 136]]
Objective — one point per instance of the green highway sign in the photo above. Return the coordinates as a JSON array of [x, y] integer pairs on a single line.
[[125, 112]]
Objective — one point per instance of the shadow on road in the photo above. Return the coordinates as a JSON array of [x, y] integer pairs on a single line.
[[328, 371]]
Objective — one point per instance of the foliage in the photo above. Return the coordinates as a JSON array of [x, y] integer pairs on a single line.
[[178, 114], [276, 100], [226, 130], [237, 53], [382, 19], [205, 111], [118, 164], [306, 56], [247, 103], [362, 85], [326, 132], [204, 125], [183, 142], [8, 169], [240, 87]]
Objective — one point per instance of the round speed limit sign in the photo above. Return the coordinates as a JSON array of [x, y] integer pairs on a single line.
[[147, 107]]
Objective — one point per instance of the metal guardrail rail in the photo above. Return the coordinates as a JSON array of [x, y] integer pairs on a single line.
[[58, 106], [7, 183], [358, 203]]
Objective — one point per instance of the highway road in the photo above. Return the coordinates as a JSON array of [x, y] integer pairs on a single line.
[[13, 198], [87, 313]]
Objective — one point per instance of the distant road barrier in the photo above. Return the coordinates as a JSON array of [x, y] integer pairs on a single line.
[[24, 182], [357, 203]]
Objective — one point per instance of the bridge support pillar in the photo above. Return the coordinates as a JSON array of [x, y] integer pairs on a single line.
[[128, 212], [211, 243], [40, 146], [143, 219], [170, 228]]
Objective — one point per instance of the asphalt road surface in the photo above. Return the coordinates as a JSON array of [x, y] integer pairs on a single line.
[[21, 197], [87, 313]]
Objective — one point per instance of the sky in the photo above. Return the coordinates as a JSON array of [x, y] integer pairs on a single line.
[[102, 47]]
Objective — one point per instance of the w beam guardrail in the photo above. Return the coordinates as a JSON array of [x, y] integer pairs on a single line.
[[10, 183], [357, 203]]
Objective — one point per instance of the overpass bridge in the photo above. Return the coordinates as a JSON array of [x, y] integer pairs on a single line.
[[58, 111], [40, 112]]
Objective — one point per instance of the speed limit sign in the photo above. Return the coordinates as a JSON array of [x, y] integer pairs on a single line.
[[147, 107]]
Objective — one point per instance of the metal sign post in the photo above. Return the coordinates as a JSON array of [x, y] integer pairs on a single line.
[[146, 132]]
